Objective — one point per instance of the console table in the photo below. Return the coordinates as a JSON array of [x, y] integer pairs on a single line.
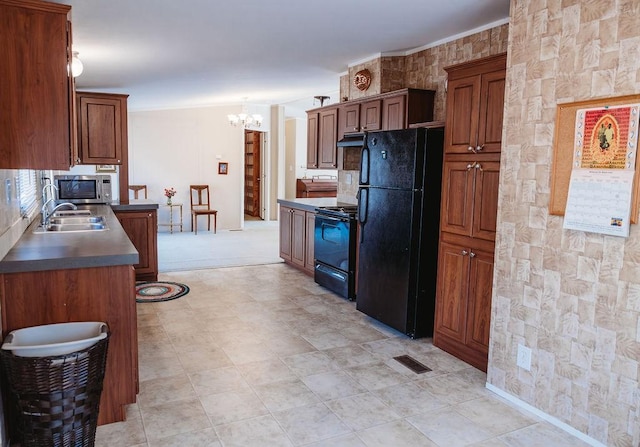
[[177, 222]]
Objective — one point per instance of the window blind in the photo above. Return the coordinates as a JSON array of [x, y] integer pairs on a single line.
[[27, 191]]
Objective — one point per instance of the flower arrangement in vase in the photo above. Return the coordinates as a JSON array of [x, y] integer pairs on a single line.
[[169, 192]]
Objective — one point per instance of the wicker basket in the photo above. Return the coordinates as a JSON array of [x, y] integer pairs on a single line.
[[54, 401]]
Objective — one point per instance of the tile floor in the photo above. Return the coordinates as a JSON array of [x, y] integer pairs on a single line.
[[263, 356]]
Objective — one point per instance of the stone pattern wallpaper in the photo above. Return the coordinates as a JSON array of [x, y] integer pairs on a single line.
[[570, 296]]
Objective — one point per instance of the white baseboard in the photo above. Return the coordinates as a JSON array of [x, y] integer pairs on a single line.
[[542, 415]]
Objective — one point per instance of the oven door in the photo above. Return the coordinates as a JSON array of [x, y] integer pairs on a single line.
[[334, 250], [331, 244]]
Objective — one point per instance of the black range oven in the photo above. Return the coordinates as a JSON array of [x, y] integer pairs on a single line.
[[335, 249]]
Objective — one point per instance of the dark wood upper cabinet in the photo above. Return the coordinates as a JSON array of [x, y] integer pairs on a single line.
[[312, 140], [36, 91], [328, 138], [475, 103], [102, 127]]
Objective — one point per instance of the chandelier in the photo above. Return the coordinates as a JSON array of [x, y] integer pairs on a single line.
[[245, 119]]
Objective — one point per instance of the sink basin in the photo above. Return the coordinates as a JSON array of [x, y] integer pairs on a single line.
[[76, 227], [68, 224], [76, 220], [63, 213]]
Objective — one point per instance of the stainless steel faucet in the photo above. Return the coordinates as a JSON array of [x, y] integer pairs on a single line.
[[44, 211]]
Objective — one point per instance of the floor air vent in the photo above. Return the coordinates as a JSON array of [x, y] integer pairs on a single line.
[[412, 364]]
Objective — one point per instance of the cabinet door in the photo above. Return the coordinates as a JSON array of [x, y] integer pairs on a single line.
[[298, 237], [463, 101], [479, 312], [309, 264], [485, 199], [36, 92], [312, 140], [349, 119], [491, 112], [452, 291], [141, 226], [370, 115], [286, 217], [393, 113], [100, 125], [328, 138], [456, 215]]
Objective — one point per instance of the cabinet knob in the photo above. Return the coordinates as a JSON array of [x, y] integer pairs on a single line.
[[479, 148], [471, 149], [465, 252], [472, 255], [478, 166], [471, 165]]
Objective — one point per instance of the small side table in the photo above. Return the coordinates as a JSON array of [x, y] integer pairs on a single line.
[[178, 222]]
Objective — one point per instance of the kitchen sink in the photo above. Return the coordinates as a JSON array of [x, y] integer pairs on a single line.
[[70, 223], [63, 213], [77, 220]]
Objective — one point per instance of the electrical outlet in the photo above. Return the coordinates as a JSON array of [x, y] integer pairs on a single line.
[[347, 179], [524, 357]]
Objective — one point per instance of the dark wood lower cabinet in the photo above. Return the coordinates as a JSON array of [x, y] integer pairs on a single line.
[[463, 302], [104, 294], [296, 238], [141, 227]]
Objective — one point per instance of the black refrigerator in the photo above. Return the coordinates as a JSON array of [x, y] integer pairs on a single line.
[[399, 220]]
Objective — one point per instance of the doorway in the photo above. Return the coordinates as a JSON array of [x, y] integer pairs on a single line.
[[252, 173]]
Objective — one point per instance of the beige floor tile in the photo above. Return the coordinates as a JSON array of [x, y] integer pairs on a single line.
[[362, 411], [352, 355], [284, 395], [219, 380], [199, 438], [541, 434], [349, 440], [408, 399], [174, 418], [376, 376], [260, 431], [332, 385], [128, 433], [167, 389], [494, 415], [203, 359], [233, 406], [446, 427], [310, 363], [266, 371], [396, 433], [310, 423]]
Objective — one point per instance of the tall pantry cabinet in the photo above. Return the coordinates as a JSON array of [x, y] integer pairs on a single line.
[[469, 205]]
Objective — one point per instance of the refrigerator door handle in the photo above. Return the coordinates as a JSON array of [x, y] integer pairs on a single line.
[[363, 205], [364, 163]]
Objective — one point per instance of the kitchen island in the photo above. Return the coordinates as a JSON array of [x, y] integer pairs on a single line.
[[58, 277]]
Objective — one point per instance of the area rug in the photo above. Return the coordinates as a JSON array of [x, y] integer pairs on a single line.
[[157, 291]]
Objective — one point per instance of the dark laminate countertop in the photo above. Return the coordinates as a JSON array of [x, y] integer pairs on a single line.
[[311, 204], [135, 205], [55, 251]]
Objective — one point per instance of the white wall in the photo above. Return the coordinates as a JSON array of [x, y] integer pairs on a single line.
[[179, 147]]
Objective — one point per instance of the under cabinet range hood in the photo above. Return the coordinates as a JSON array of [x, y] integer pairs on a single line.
[[352, 140]]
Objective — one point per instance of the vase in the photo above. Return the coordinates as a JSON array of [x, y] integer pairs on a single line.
[[168, 200]]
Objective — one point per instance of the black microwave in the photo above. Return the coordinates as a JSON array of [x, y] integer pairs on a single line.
[[83, 188]]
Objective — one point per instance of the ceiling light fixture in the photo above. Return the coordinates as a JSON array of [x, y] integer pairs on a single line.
[[76, 65], [245, 119]]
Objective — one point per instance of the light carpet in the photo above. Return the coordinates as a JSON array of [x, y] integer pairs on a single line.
[[257, 243]]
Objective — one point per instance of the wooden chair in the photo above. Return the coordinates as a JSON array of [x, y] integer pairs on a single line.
[[137, 188], [201, 206]]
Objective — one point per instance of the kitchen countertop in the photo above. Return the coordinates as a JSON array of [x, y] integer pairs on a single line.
[[135, 205], [311, 204], [55, 251]]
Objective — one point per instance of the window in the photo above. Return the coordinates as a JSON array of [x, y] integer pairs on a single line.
[[27, 191]]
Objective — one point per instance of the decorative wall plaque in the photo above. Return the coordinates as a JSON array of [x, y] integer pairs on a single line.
[[362, 79]]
